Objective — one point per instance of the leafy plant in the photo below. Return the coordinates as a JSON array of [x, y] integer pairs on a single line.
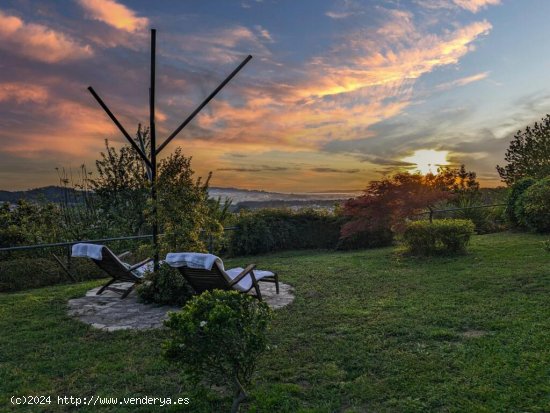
[[122, 186], [445, 235], [217, 338], [183, 205], [165, 286]]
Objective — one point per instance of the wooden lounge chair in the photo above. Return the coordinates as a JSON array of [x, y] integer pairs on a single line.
[[239, 279], [109, 262]]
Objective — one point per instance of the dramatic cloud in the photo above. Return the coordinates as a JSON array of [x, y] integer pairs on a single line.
[[38, 42], [343, 92], [317, 108], [114, 14]]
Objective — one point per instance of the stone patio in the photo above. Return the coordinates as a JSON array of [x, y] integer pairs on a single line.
[[108, 312]]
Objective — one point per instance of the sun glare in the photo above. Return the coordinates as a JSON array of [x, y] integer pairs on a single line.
[[428, 160]]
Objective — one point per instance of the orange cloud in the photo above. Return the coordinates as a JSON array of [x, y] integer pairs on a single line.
[[341, 101], [471, 5], [463, 81], [39, 42], [395, 53], [475, 5], [22, 93], [114, 14]]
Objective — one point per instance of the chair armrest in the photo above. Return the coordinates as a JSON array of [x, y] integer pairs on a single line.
[[140, 264], [244, 273]]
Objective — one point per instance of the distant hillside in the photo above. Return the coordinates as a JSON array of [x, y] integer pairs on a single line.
[[45, 194], [240, 197], [292, 204], [244, 195]]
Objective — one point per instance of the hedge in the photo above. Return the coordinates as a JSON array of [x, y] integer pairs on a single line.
[[269, 230], [445, 235]]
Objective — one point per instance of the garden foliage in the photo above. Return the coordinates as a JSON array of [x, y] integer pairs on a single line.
[[386, 204], [445, 235], [533, 206], [513, 204], [268, 230], [217, 338], [165, 286], [29, 223], [528, 154]]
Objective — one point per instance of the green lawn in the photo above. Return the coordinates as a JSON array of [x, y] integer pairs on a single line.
[[372, 331]]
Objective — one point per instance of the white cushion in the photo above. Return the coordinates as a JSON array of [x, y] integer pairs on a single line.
[[246, 283]]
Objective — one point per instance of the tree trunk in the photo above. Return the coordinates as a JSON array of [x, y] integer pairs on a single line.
[[240, 396]]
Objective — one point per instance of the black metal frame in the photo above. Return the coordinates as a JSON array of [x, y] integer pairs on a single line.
[[151, 163]]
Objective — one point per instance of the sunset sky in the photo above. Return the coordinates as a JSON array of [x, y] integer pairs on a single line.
[[338, 92]]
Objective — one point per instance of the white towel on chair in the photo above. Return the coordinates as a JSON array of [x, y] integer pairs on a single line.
[[193, 260], [246, 283], [87, 251]]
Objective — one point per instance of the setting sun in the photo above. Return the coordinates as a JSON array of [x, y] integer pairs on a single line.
[[428, 160]]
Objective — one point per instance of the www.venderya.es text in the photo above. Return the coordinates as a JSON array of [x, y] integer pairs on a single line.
[[99, 400]]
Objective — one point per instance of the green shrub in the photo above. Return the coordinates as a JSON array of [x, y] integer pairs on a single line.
[[23, 273], [513, 206], [217, 338], [445, 235], [165, 286], [533, 206], [546, 245], [269, 230]]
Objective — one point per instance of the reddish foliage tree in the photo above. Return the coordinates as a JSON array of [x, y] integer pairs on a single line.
[[387, 203]]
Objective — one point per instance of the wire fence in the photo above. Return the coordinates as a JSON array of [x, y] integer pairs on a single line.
[[55, 263], [59, 254]]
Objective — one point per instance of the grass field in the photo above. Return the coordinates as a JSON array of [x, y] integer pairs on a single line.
[[369, 331]]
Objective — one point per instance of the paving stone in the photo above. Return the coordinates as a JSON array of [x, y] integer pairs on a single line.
[[108, 312]]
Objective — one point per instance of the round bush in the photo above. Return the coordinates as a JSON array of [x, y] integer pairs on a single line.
[[217, 338], [535, 206], [441, 235]]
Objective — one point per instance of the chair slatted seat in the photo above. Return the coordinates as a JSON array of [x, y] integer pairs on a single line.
[[239, 279], [118, 271]]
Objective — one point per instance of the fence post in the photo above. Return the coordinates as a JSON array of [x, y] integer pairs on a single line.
[[431, 214], [210, 243], [69, 257]]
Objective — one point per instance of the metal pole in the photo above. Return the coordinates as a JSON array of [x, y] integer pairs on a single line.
[[203, 104], [119, 126], [153, 135]]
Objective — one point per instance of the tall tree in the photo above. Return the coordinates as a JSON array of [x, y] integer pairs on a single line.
[[528, 154]]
